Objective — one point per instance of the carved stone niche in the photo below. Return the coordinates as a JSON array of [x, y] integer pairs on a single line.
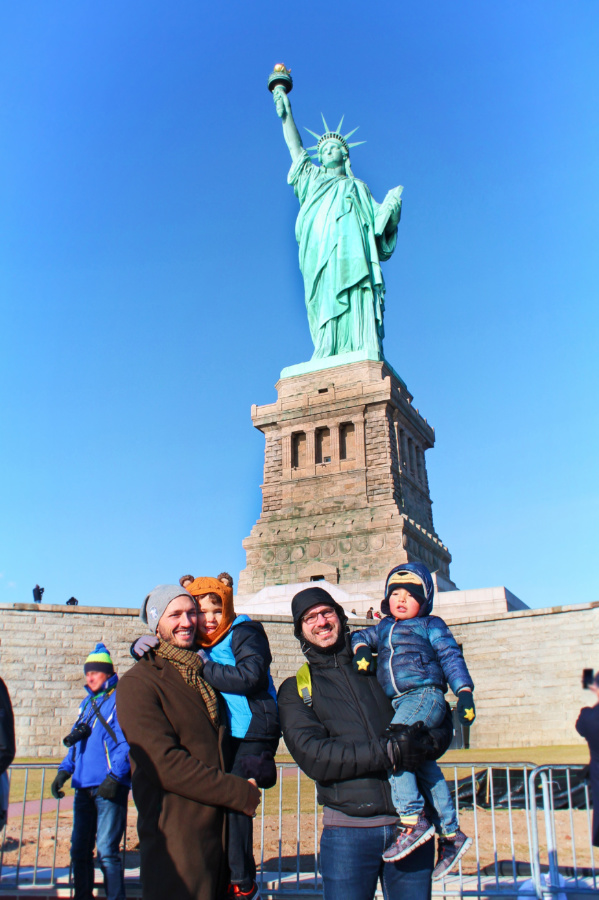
[[319, 571]]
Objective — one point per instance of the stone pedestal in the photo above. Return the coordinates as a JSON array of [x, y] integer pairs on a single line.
[[345, 492]]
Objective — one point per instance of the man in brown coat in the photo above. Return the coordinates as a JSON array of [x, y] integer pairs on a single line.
[[174, 725]]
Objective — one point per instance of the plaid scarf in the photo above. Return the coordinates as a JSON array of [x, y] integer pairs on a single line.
[[189, 665]]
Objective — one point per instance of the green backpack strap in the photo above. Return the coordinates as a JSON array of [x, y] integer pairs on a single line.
[[304, 683]]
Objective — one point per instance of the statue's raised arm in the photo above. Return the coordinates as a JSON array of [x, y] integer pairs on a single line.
[[343, 234], [280, 83]]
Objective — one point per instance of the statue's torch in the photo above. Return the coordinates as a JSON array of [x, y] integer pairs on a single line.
[[280, 80]]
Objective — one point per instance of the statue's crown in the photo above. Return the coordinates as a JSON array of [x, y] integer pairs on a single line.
[[333, 136]]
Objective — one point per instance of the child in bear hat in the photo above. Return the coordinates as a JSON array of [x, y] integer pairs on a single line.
[[417, 658]]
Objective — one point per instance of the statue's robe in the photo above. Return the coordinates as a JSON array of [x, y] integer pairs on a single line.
[[342, 241]]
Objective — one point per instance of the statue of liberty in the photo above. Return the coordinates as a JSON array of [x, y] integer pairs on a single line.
[[343, 236]]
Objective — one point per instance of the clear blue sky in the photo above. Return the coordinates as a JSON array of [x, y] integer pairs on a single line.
[[151, 292]]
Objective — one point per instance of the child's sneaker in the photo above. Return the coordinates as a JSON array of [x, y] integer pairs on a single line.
[[407, 838], [450, 851], [237, 894]]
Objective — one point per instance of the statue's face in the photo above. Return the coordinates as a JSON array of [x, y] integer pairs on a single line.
[[332, 154]]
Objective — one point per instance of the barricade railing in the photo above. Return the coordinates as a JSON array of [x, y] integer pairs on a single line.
[[517, 815], [562, 802]]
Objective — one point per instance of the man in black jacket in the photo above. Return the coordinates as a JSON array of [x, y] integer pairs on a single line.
[[334, 722], [7, 748]]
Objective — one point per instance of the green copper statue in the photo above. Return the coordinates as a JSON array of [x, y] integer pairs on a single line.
[[343, 236]]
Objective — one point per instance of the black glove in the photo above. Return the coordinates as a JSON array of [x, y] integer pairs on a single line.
[[466, 708], [61, 779], [109, 788], [407, 746], [364, 662], [262, 768]]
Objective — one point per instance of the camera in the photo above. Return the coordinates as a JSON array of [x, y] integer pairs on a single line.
[[79, 733], [588, 677]]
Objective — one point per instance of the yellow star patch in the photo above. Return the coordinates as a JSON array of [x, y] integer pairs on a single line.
[[469, 714], [363, 664]]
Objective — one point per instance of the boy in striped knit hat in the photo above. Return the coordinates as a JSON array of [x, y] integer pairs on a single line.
[[98, 760]]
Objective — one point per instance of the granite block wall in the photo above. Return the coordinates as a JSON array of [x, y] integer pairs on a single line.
[[526, 666]]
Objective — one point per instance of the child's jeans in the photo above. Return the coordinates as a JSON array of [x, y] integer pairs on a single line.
[[425, 705]]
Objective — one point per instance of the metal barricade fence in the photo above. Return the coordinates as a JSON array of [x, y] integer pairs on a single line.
[[517, 815], [558, 807]]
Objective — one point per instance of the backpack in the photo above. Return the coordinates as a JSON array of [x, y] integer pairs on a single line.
[[304, 683]]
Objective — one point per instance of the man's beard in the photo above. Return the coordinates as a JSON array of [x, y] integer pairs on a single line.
[[335, 647]]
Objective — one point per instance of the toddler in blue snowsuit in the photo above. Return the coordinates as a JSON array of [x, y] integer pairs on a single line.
[[417, 658]]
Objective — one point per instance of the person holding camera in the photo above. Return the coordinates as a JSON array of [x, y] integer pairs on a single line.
[[587, 726], [98, 760]]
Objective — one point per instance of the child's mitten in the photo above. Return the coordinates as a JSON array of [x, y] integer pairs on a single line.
[[364, 662], [262, 768], [466, 708]]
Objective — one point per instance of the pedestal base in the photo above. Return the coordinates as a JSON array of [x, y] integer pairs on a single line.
[[345, 493]]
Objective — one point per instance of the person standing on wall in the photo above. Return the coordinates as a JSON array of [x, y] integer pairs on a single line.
[[98, 760], [587, 725]]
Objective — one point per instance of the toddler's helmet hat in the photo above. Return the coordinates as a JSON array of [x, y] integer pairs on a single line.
[[415, 578]]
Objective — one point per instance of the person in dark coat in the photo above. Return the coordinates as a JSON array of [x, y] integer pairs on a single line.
[[236, 660], [7, 748], [175, 724], [334, 724], [587, 725]]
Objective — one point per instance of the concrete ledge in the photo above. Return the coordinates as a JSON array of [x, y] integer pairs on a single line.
[[134, 612]]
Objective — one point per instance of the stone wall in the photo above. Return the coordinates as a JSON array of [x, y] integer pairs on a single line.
[[526, 666]]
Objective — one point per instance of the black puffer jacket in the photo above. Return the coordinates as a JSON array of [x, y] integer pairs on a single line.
[[7, 729], [337, 741], [239, 667]]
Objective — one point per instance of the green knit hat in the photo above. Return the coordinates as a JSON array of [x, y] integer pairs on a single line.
[[99, 661]]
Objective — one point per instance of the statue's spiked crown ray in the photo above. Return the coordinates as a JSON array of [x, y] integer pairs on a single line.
[[333, 136]]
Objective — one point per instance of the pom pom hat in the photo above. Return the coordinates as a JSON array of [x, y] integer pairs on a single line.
[[99, 661]]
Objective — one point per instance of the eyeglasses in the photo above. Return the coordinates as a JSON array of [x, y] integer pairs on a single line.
[[312, 618]]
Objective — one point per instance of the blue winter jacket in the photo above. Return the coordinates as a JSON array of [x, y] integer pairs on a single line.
[[95, 757], [239, 667], [415, 653]]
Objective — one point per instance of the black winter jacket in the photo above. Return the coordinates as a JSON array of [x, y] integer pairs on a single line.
[[337, 741], [7, 729], [238, 667]]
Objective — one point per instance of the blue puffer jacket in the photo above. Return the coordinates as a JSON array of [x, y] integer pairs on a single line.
[[415, 653], [238, 667], [95, 757]]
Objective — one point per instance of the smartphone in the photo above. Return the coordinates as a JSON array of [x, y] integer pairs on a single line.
[[588, 676]]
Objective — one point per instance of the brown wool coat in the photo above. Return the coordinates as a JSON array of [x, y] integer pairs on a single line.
[[179, 784]]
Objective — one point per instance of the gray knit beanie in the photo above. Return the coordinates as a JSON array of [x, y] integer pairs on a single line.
[[157, 601]]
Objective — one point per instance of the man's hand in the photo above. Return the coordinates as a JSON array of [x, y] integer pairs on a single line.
[[466, 708], [109, 788], [408, 746], [143, 644], [364, 662], [61, 779], [253, 799]]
